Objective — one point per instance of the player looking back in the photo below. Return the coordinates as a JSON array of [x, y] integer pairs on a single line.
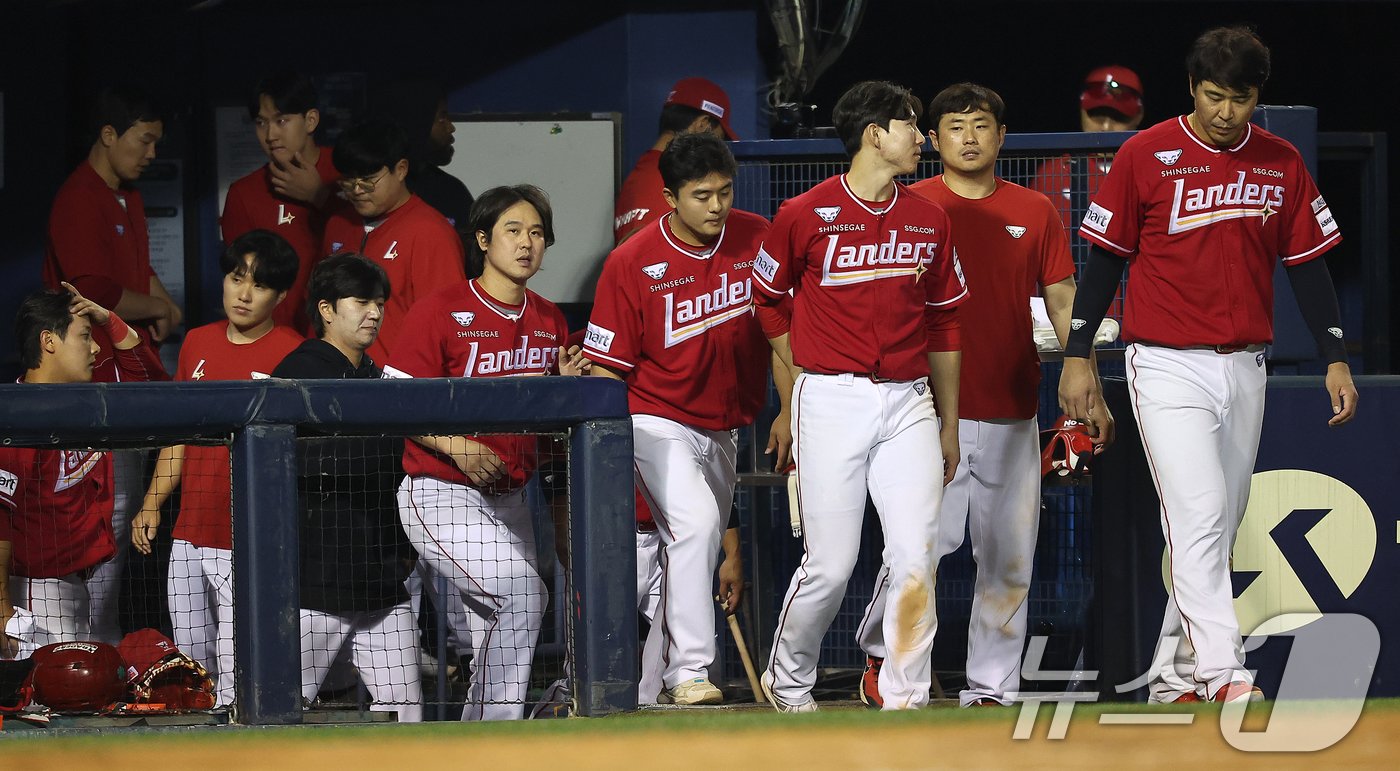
[[874, 285], [1202, 205], [674, 318], [463, 502], [1011, 246]]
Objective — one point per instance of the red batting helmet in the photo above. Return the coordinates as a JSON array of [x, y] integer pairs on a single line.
[[78, 676], [1066, 450]]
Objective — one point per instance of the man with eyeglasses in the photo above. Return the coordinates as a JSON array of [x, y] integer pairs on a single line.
[[383, 220]]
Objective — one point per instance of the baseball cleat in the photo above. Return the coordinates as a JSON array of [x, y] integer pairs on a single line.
[[693, 692], [870, 683], [984, 701], [1181, 698], [556, 701], [766, 683], [1238, 690]]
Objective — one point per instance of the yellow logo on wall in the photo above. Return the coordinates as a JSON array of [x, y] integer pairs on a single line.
[[1294, 518]]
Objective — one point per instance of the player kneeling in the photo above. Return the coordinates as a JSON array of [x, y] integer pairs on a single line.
[[463, 502], [354, 556]]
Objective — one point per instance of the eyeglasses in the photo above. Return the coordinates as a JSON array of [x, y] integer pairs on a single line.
[[353, 185]]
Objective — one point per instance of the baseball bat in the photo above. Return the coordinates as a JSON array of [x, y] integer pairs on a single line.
[[743, 646]]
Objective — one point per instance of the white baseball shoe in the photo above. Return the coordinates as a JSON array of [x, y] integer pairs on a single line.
[[693, 692], [766, 683]]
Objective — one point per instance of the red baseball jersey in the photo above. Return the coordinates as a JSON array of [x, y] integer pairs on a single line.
[[640, 201], [679, 324], [416, 247], [1010, 245], [251, 204], [1202, 226], [869, 279], [461, 331], [207, 354], [98, 242], [58, 507], [1055, 179]]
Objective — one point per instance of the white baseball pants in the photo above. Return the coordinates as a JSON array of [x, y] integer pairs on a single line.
[[485, 545], [423, 580], [60, 606], [687, 476], [1200, 414], [128, 487], [200, 590], [648, 602], [994, 498], [383, 648], [854, 435]]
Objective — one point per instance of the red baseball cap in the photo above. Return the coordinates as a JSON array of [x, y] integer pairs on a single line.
[[1115, 87], [705, 96]]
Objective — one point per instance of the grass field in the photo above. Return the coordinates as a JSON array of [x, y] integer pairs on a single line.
[[723, 739]]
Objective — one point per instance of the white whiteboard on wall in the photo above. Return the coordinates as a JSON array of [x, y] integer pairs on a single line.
[[574, 158]]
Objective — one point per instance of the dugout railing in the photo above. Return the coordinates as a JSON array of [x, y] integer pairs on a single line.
[[262, 421]]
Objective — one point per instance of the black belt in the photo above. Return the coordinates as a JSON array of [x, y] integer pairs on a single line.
[[1223, 349], [871, 376]]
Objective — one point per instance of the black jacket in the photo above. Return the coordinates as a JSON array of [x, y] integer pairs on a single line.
[[354, 555]]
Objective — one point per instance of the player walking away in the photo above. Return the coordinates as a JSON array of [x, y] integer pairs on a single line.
[[1010, 245], [381, 219], [259, 269], [463, 502], [288, 195], [354, 554], [695, 105], [674, 319], [875, 284], [56, 505], [1201, 205], [97, 241]]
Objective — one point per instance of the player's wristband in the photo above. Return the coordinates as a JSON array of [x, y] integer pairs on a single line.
[[117, 328], [1102, 272]]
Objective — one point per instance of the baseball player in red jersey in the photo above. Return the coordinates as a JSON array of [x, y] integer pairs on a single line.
[[874, 285], [288, 194], [463, 501], [1202, 205], [56, 505], [259, 268], [1011, 246], [694, 105], [673, 302], [381, 219]]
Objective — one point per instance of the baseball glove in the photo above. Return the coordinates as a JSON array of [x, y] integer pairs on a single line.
[[157, 672]]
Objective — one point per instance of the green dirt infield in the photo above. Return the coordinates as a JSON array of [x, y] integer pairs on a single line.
[[841, 737]]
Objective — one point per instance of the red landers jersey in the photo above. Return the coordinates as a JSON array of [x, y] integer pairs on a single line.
[[869, 279], [1202, 227], [416, 247], [1009, 244], [98, 242], [461, 331], [251, 204], [59, 507], [640, 202], [680, 325], [205, 501]]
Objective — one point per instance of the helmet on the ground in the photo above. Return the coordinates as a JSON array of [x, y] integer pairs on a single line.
[[85, 676]]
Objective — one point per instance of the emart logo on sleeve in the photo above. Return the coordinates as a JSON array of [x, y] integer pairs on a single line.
[[9, 483]]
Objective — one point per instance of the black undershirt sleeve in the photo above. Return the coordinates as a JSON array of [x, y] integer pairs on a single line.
[[1317, 300], [1102, 273]]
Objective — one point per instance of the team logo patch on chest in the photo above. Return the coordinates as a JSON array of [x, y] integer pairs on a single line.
[[693, 316], [828, 213], [73, 467], [1168, 157], [656, 270], [465, 318], [854, 263], [1016, 231]]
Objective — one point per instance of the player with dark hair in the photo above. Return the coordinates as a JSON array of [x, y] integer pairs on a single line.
[[1011, 246], [674, 319], [393, 228], [874, 286], [56, 505], [289, 193], [463, 501], [1202, 205], [354, 555], [259, 269], [420, 108], [694, 105], [97, 240]]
